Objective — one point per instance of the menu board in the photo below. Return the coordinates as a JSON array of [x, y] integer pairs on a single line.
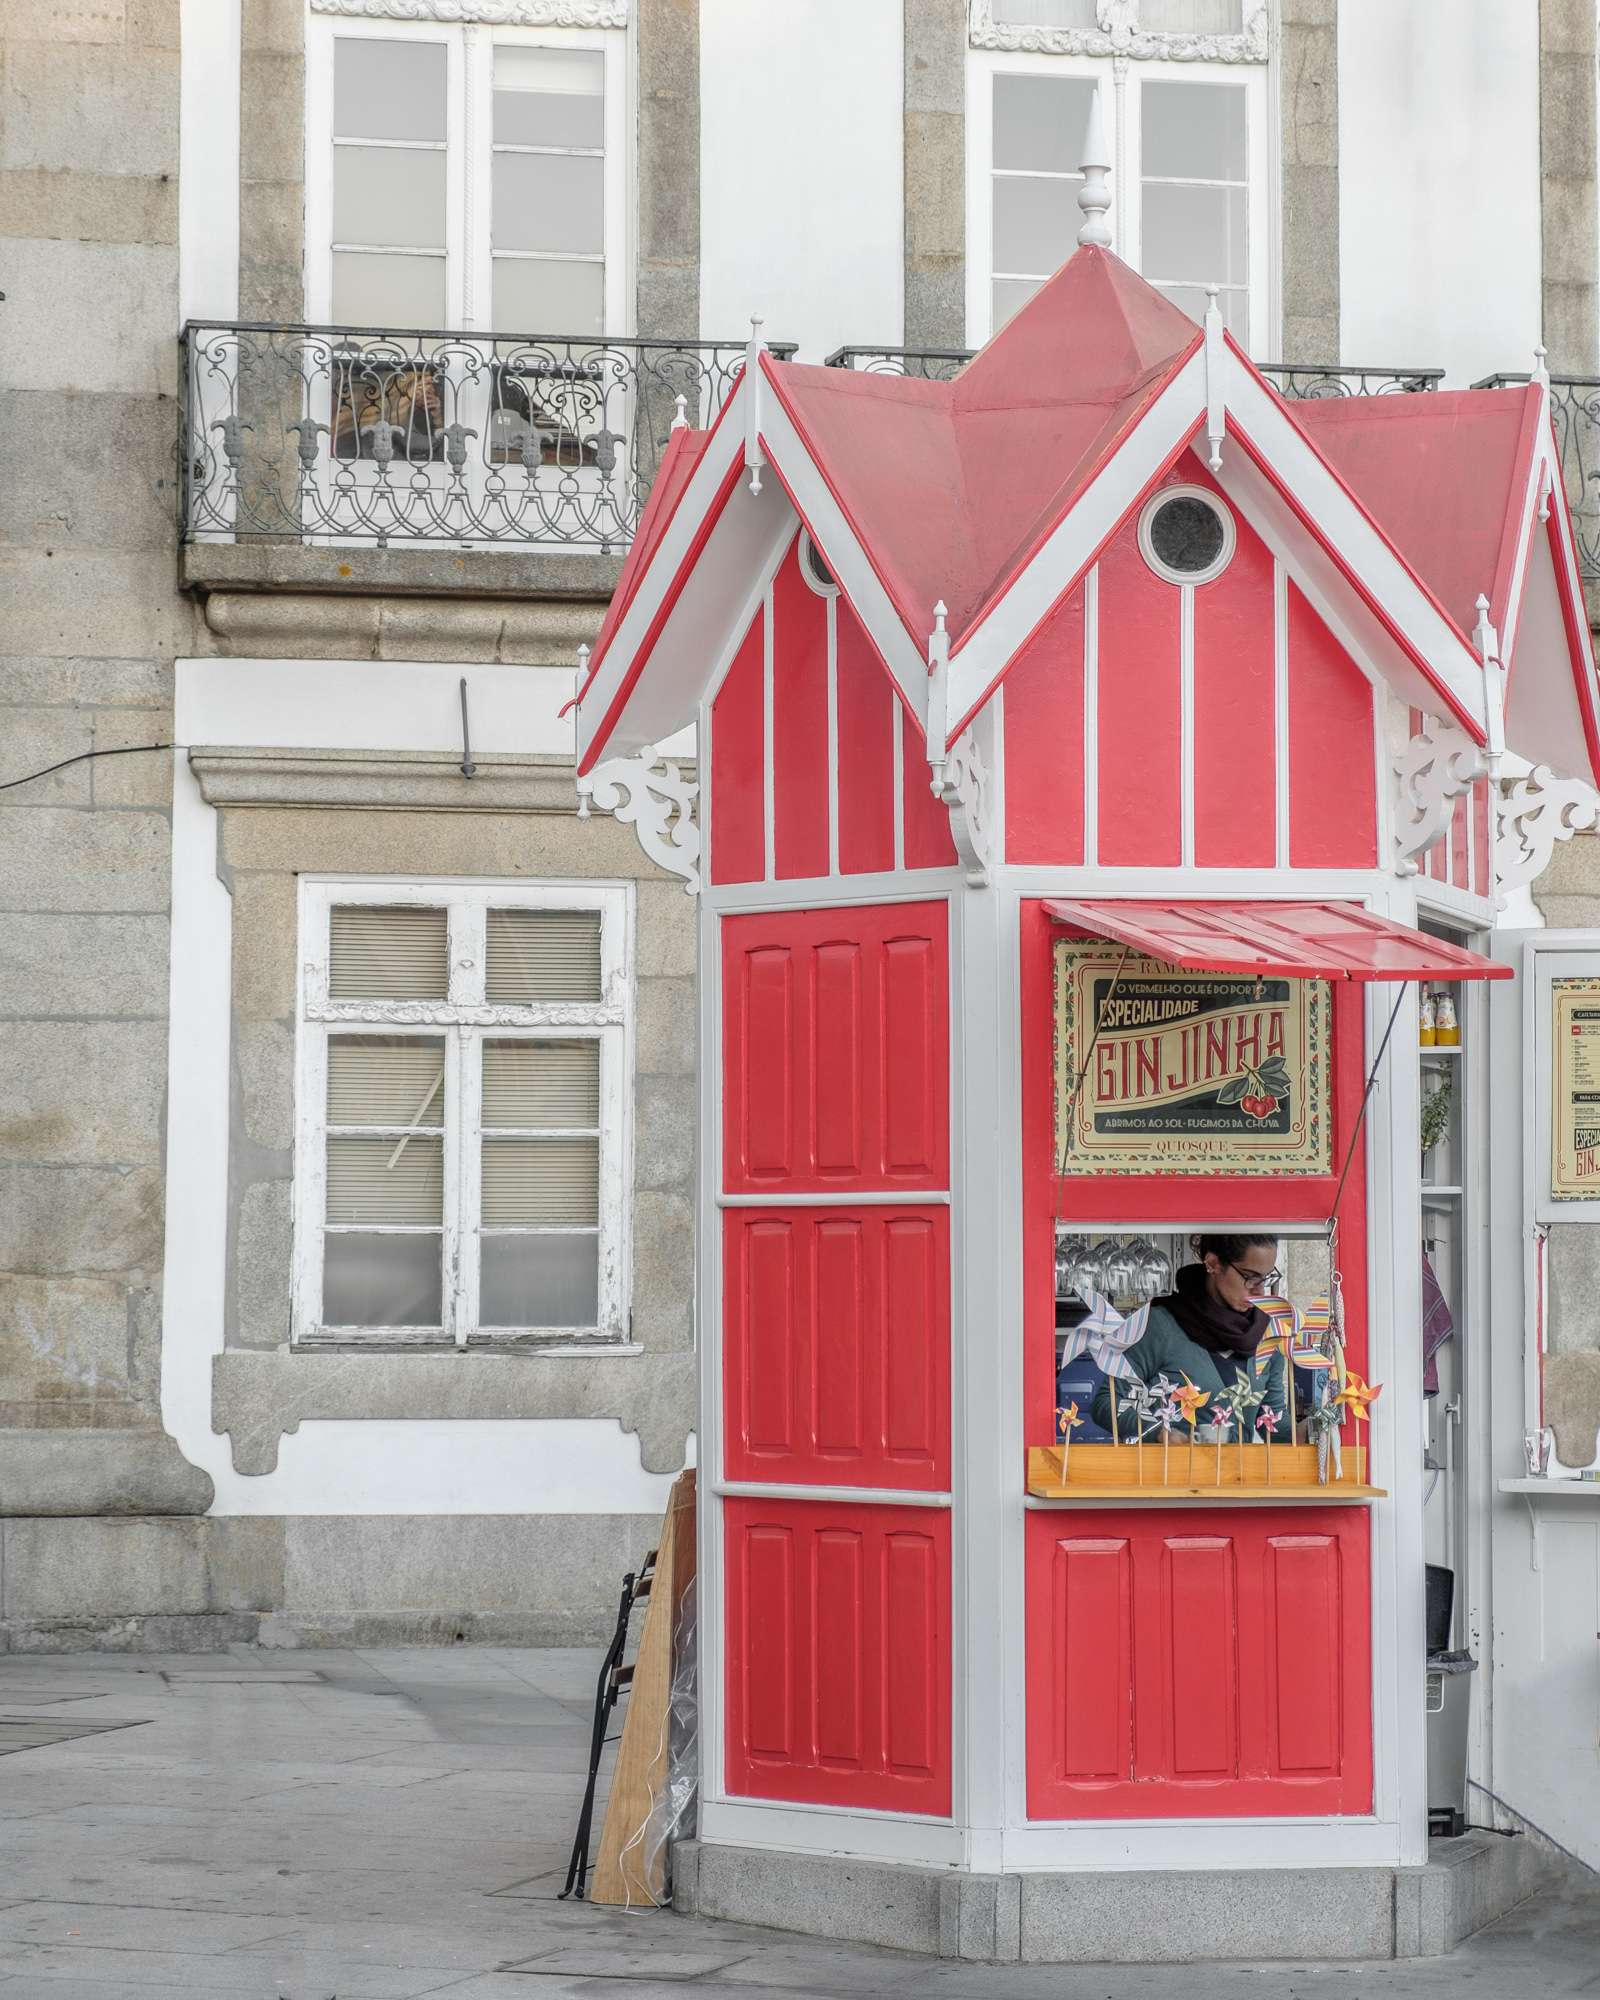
[[1188, 1072], [1575, 1072]]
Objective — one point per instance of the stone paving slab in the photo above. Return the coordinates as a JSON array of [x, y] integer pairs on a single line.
[[262, 1838]]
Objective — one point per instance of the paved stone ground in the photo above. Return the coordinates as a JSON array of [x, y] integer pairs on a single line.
[[382, 1825]]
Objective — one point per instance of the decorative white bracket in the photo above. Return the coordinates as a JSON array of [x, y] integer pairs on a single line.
[[1433, 770], [963, 785], [658, 802], [1536, 813], [959, 774]]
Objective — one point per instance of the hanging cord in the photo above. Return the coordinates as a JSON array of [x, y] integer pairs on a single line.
[[83, 757], [1355, 1136]]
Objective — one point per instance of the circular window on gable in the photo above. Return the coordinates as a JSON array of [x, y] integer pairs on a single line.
[[815, 571], [1186, 534]]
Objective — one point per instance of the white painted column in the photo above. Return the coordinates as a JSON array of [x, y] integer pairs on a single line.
[[986, 1369]]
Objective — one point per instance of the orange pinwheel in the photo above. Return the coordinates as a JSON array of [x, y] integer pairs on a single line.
[[1358, 1396], [1190, 1400]]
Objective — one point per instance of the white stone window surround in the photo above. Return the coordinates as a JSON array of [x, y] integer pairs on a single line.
[[470, 34], [465, 1020], [1121, 80]]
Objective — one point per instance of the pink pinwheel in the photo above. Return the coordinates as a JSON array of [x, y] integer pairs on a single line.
[[1268, 1421]]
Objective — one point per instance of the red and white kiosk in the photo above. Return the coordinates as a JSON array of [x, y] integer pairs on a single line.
[[1101, 673]]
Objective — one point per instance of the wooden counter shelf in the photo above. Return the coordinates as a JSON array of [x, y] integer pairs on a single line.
[[1102, 1475]]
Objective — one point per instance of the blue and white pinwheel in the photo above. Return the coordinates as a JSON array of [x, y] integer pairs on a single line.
[[1105, 1335]]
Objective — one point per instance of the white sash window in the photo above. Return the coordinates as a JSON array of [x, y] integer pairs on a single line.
[[466, 177], [462, 1133], [1188, 140]]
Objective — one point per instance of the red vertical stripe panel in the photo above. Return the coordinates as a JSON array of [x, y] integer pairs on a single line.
[[1332, 747], [869, 712], [738, 832], [1235, 745], [799, 723], [1138, 701], [1043, 710]]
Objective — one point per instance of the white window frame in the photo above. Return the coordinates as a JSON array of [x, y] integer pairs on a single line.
[[469, 155], [1120, 82], [464, 1019]]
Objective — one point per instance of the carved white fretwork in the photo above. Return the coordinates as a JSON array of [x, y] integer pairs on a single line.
[[658, 802], [1433, 770], [440, 1014], [1536, 813], [493, 13], [962, 782], [1117, 33]]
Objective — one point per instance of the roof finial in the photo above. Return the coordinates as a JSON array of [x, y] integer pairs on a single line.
[[1541, 371], [754, 456], [680, 420], [1094, 197]]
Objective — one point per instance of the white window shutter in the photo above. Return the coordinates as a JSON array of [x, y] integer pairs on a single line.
[[543, 955], [388, 952]]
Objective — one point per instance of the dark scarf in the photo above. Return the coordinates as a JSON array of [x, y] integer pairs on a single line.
[[1210, 1324]]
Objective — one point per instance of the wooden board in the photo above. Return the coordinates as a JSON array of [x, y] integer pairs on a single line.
[[624, 1871], [1099, 1473]]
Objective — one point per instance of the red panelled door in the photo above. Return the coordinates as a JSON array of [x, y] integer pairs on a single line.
[[1196, 1664], [836, 1354]]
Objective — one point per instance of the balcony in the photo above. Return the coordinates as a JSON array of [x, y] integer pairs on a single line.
[[308, 443], [355, 439], [1291, 378]]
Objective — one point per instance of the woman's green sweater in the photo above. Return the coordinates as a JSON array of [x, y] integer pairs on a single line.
[[1167, 1350]]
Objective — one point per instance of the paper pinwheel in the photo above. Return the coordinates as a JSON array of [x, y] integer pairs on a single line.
[[1358, 1396], [1105, 1335], [1191, 1399], [1067, 1421]]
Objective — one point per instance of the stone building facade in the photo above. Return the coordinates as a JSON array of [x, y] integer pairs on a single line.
[[180, 1464]]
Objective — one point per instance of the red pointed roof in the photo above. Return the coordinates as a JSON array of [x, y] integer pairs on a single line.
[[952, 486], [678, 461], [1443, 475]]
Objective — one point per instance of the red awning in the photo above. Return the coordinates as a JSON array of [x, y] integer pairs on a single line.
[[1292, 940]]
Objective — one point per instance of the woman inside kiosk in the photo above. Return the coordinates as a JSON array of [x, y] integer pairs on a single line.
[[1207, 1329]]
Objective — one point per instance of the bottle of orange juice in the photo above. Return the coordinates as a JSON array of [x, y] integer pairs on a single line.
[[1446, 1028], [1427, 1029]]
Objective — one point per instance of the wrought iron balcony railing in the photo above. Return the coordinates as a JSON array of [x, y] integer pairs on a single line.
[[1295, 379], [1575, 412], [397, 438]]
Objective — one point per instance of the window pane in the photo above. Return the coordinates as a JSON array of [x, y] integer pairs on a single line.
[[1041, 122], [1195, 234], [381, 1281], [539, 1281], [1010, 293], [543, 955], [393, 953], [541, 1084], [549, 97], [553, 1182], [1046, 13], [1035, 225], [388, 291], [385, 1080], [1193, 131], [547, 201], [1192, 17], [388, 194], [388, 90], [386, 1180], [536, 295]]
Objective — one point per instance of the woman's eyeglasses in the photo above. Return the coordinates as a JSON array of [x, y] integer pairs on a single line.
[[1255, 1284]]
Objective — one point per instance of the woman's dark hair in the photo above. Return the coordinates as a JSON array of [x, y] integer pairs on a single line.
[[1229, 1249]]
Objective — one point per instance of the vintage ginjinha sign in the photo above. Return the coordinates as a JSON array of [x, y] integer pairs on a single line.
[[1575, 1069], [1190, 1072]]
